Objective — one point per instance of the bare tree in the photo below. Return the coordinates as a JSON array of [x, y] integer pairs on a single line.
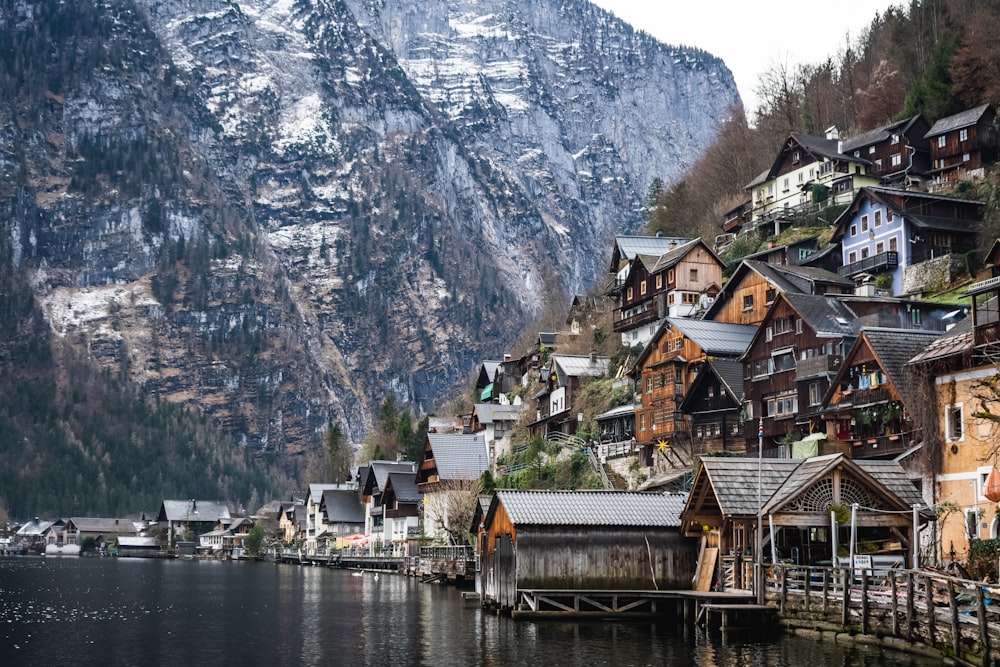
[[449, 508]]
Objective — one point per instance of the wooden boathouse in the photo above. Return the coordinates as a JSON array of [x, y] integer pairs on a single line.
[[581, 542]]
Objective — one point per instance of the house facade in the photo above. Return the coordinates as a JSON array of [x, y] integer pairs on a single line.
[[448, 477], [961, 144], [898, 153], [562, 381]]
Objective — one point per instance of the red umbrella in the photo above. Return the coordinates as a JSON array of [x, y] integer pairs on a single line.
[[358, 538]]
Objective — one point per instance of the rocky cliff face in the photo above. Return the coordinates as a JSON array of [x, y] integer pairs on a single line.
[[279, 212]]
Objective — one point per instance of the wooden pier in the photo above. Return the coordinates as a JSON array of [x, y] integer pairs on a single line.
[[538, 604]]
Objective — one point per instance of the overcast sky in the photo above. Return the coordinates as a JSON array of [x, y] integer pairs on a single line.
[[751, 36]]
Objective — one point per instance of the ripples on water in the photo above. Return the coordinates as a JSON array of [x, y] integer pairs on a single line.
[[83, 611]]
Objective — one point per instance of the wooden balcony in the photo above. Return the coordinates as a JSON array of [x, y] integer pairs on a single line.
[[884, 261], [814, 366], [880, 446], [872, 396], [987, 334], [633, 321]]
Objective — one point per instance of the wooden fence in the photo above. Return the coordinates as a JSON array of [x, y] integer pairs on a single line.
[[957, 617]]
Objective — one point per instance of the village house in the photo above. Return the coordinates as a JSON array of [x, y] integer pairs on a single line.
[[496, 422], [731, 496], [712, 408], [664, 371], [103, 532], [754, 286], [401, 502], [565, 375], [372, 480], [342, 516], [681, 282], [227, 536], [581, 540], [898, 233], [898, 153], [184, 520], [961, 145], [808, 173], [869, 405], [292, 521], [448, 477], [314, 516]]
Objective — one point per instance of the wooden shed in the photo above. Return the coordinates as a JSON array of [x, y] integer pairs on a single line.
[[582, 540]]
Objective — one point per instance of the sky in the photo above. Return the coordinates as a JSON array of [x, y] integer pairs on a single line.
[[751, 37]]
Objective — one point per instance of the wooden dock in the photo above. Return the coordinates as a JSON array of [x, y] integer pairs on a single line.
[[538, 604]]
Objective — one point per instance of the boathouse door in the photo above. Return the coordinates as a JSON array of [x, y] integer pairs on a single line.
[[504, 569]]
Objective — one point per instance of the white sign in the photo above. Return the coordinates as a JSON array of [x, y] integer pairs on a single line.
[[863, 562]]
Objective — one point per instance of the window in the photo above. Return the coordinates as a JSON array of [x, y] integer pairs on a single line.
[[768, 334], [670, 276], [963, 135], [678, 343], [854, 230], [796, 156], [642, 421], [878, 163], [888, 216], [628, 294], [659, 281], [784, 185], [649, 384], [864, 223], [642, 288], [769, 296], [896, 159], [916, 317], [815, 398], [670, 299], [693, 275], [784, 361], [763, 367], [879, 248], [893, 244], [783, 325], [711, 392], [953, 423], [878, 218], [894, 140], [782, 406], [690, 297], [942, 141], [798, 326], [748, 302], [716, 429], [852, 257], [864, 253], [966, 157]]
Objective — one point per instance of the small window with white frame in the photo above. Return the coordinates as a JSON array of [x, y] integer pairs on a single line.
[[963, 134]]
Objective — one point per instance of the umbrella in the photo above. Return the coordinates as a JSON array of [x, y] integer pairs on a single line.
[[358, 538]]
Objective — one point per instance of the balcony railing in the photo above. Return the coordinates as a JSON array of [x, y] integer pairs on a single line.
[[813, 366], [883, 445], [986, 334], [870, 396], [633, 321], [884, 261]]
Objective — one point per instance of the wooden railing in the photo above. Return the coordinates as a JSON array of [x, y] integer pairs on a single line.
[[958, 617], [632, 321]]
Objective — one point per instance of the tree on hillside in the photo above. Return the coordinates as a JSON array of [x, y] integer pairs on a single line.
[[339, 457], [975, 66], [671, 214], [932, 95]]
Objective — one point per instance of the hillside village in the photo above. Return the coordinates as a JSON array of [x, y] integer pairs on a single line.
[[826, 358]]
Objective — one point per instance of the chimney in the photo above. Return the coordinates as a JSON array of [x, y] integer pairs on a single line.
[[506, 356], [671, 245], [593, 356], [832, 133]]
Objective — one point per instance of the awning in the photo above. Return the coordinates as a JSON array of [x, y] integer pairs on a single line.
[[808, 446]]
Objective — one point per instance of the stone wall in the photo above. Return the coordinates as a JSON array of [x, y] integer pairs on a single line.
[[934, 272]]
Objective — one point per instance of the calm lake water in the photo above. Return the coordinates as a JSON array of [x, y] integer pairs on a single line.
[[88, 611]]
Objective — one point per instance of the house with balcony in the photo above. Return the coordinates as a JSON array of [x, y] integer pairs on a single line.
[[808, 174], [898, 153], [664, 371], [681, 282], [448, 476], [962, 144], [372, 487], [314, 515], [897, 232], [788, 366], [869, 407], [755, 285], [401, 505], [712, 406], [342, 515], [562, 380]]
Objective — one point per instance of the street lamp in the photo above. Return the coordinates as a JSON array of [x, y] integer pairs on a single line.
[[760, 537]]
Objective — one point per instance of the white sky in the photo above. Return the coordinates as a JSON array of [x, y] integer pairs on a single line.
[[751, 36]]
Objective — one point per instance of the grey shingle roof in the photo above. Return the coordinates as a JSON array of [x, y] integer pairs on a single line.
[[592, 508], [316, 491], [957, 121], [716, 338], [894, 348], [187, 510], [731, 373], [957, 340], [404, 486], [379, 471], [343, 506], [571, 365], [827, 316], [878, 134], [894, 478], [489, 413], [459, 457]]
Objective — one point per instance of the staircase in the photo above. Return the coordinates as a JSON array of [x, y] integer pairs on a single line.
[[573, 442]]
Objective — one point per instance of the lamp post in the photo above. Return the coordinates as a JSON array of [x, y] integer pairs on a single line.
[[759, 575]]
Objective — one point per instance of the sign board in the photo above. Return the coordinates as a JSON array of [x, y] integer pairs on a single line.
[[863, 562]]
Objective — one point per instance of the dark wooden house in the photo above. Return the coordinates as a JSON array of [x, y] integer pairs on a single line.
[[563, 379], [712, 407], [788, 366], [582, 540], [868, 406], [899, 152], [962, 144], [795, 496]]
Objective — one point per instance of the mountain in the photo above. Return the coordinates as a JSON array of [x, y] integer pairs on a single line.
[[276, 213]]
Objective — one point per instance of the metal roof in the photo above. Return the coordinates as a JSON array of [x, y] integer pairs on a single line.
[[98, 525], [630, 246], [572, 365], [404, 486], [620, 411], [592, 508], [460, 457], [488, 413], [827, 316], [378, 472], [316, 491], [957, 121], [721, 338], [343, 506], [198, 510]]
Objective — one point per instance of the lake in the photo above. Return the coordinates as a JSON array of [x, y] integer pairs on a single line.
[[121, 611]]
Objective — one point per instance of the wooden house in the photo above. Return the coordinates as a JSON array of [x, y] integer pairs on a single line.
[[962, 144], [372, 487], [448, 476], [730, 496], [582, 540], [807, 173], [227, 536], [663, 373], [712, 407], [401, 502], [626, 249], [754, 286], [788, 365], [314, 516], [292, 521], [497, 423], [488, 385], [563, 379], [342, 514], [888, 231], [870, 401], [898, 153], [190, 516], [678, 283]]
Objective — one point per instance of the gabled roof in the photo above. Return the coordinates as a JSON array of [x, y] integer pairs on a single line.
[[879, 134], [889, 197], [96, 525], [590, 508], [459, 457], [487, 371], [547, 338], [404, 486], [572, 365], [893, 348], [825, 315], [620, 411], [957, 121], [729, 373], [715, 338], [343, 506], [489, 413], [627, 247], [672, 257], [378, 472], [316, 491], [193, 510], [957, 340], [784, 278]]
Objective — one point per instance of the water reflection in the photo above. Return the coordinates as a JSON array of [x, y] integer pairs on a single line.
[[57, 611]]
